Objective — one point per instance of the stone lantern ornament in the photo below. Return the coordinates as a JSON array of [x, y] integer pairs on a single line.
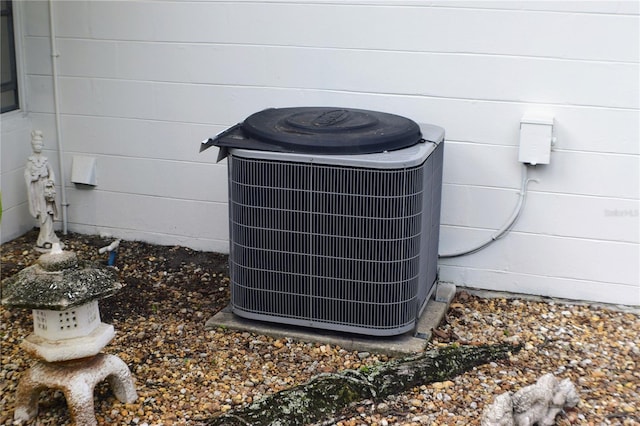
[[67, 334]]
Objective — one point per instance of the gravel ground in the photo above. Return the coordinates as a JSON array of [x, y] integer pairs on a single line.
[[185, 374]]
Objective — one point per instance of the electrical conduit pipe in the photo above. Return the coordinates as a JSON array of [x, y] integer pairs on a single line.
[[506, 227]]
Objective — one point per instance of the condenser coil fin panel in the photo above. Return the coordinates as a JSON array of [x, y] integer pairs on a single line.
[[333, 246]]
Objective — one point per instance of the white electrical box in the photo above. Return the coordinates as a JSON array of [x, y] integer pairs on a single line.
[[536, 138]]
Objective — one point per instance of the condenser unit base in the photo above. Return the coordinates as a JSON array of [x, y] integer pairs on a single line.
[[342, 327], [398, 345]]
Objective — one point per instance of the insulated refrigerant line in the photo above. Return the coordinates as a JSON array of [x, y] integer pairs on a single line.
[[506, 227]]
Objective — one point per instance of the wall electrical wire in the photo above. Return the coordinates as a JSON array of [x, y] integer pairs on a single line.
[[507, 226]]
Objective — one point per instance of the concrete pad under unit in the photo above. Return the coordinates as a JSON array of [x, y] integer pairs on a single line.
[[407, 343]]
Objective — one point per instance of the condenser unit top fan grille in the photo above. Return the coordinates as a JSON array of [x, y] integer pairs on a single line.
[[345, 242]]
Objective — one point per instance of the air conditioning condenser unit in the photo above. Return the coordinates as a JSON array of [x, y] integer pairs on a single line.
[[334, 218]]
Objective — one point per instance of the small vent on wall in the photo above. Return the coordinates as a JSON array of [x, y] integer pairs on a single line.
[[83, 171]]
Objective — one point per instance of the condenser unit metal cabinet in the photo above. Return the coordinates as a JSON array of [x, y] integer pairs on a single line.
[[339, 242]]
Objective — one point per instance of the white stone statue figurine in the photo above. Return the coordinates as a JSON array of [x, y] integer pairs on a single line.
[[537, 404], [41, 192]]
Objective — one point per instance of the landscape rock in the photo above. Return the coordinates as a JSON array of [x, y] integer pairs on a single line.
[[535, 404]]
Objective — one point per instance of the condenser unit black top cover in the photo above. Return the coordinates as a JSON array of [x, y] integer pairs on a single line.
[[320, 130]]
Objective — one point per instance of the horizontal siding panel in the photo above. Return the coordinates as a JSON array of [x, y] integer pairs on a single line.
[[16, 148], [16, 220], [138, 100], [160, 178], [604, 292], [386, 27], [622, 7], [573, 215], [152, 215], [193, 242], [610, 175], [14, 188], [595, 129], [124, 137], [497, 123], [593, 174], [551, 256], [588, 129], [38, 59], [477, 207], [481, 165], [40, 91], [36, 18], [427, 74], [582, 217]]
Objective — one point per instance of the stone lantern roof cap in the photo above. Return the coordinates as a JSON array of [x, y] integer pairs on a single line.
[[58, 281]]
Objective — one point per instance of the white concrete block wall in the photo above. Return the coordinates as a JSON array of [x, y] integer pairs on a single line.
[[15, 150], [142, 82]]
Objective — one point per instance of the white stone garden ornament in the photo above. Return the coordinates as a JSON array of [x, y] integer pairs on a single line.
[[67, 334], [41, 188], [537, 404]]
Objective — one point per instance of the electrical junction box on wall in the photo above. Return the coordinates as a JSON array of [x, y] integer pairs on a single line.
[[536, 138]]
